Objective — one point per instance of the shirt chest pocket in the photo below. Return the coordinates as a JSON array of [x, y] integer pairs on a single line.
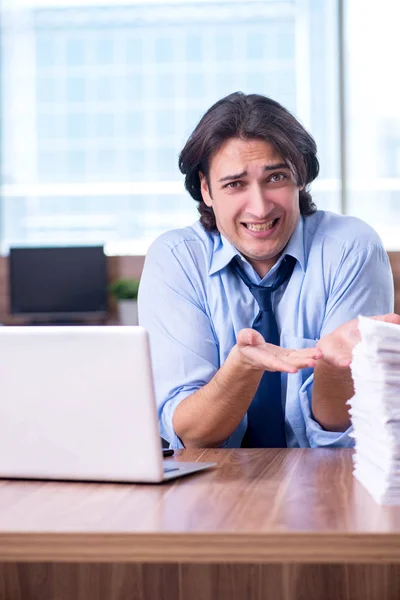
[[296, 343]]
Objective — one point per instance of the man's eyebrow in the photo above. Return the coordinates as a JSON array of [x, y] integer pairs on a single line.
[[281, 165], [230, 177], [273, 167]]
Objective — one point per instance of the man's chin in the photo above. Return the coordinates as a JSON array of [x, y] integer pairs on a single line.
[[262, 254]]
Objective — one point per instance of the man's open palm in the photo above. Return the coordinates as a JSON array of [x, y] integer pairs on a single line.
[[268, 357]]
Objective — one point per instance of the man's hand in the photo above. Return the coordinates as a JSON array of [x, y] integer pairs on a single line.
[[208, 417], [260, 355], [337, 347]]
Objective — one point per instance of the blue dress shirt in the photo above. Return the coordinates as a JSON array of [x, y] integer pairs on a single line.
[[193, 305]]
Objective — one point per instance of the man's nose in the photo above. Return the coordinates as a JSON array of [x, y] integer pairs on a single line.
[[258, 203]]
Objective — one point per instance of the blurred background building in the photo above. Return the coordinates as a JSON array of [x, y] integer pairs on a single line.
[[98, 98]]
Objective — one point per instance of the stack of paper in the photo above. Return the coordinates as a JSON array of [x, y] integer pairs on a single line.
[[375, 409]]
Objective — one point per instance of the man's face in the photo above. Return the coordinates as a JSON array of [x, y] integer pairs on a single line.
[[255, 199]]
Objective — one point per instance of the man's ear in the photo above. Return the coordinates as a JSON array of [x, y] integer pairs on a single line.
[[204, 189]]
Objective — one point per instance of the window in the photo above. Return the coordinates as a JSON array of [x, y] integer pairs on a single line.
[[98, 99], [373, 117]]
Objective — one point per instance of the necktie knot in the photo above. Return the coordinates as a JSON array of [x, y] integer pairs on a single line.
[[263, 293]]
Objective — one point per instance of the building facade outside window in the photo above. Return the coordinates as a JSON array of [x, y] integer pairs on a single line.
[[97, 101]]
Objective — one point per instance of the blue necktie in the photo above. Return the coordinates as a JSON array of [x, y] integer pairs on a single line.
[[265, 415]]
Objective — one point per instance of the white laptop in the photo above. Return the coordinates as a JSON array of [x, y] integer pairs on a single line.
[[77, 403]]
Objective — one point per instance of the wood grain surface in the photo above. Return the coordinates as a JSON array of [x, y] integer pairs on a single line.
[[126, 581], [274, 506], [263, 525]]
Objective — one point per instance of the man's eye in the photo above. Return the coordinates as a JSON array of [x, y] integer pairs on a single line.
[[233, 185], [276, 177]]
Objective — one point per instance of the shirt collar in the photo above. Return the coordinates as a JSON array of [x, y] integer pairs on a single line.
[[295, 246], [224, 251]]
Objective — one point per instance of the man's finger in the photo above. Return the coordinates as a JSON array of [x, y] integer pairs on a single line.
[[301, 362], [389, 318], [290, 364], [308, 353], [249, 337]]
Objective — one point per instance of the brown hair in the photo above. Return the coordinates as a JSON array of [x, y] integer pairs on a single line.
[[248, 117]]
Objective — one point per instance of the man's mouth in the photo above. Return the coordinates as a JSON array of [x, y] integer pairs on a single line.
[[261, 226]]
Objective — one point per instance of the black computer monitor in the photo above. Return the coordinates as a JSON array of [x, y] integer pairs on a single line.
[[57, 284]]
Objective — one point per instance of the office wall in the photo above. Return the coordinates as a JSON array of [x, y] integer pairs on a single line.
[[131, 266]]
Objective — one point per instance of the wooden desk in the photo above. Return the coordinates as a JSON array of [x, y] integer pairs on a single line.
[[265, 524]]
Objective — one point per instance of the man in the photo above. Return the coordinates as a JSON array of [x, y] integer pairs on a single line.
[[219, 379]]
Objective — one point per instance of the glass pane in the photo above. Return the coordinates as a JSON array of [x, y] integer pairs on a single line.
[[111, 93], [373, 118]]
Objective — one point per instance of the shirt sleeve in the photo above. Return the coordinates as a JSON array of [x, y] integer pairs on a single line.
[[363, 286], [184, 349]]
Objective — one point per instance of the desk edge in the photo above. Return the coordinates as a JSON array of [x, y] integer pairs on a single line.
[[357, 548]]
